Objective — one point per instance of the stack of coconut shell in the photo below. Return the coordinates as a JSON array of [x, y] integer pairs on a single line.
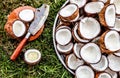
[[87, 38]]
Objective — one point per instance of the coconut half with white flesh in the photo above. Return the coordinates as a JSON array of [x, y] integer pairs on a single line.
[[112, 73], [101, 65], [93, 7], [89, 28], [63, 36], [80, 3], [103, 75], [18, 28], [69, 12], [117, 25], [107, 16], [73, 62], [76, 49], [26, 15], [117, 5], [76, 36], [112, 41], [84, 72], [32, 56], [65, 49], [114, 62], [91, 53]]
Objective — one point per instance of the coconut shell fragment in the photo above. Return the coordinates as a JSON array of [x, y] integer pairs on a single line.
[[107, 16]]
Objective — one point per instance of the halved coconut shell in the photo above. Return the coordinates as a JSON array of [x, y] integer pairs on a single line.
[[76, 36], [84, 72], [114, 63], [73, 62], [110, 40], [65, 49], [69, 12], [102, 45], [80, 3], [91, 53], [89, 28], [112, 73], [26, 15], [117, 25], [107, 16], [117, 5], [101, 65], [19, 28], [103, 75], [32, 56], [93, 7], [63, 36], [16, 29], [76, 49]]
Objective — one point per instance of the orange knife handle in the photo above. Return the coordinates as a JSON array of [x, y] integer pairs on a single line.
[[18, 49]]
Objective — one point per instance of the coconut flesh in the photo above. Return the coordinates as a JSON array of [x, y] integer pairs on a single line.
[[26, 15], [104, 75], [68, 10], [112, 41], [114, 62], [18, 28], [80, 3], [76, 49], [73, 62], [94, 7], [117, 5], [32, 56], [63, 36], [84, 72], [65, 48], [89, 28], [101, 65], [90, 53], [110, 15]]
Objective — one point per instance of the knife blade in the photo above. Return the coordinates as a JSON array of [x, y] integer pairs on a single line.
[[41, 15]]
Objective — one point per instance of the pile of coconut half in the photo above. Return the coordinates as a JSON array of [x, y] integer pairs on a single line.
[[86, 37]]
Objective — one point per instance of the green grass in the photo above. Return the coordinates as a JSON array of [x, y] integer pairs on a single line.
[[50, 66]]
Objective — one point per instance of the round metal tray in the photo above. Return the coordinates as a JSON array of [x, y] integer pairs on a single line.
[[60, 56]]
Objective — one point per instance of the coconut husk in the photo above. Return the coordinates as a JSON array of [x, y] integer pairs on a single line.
[[72, 17]]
